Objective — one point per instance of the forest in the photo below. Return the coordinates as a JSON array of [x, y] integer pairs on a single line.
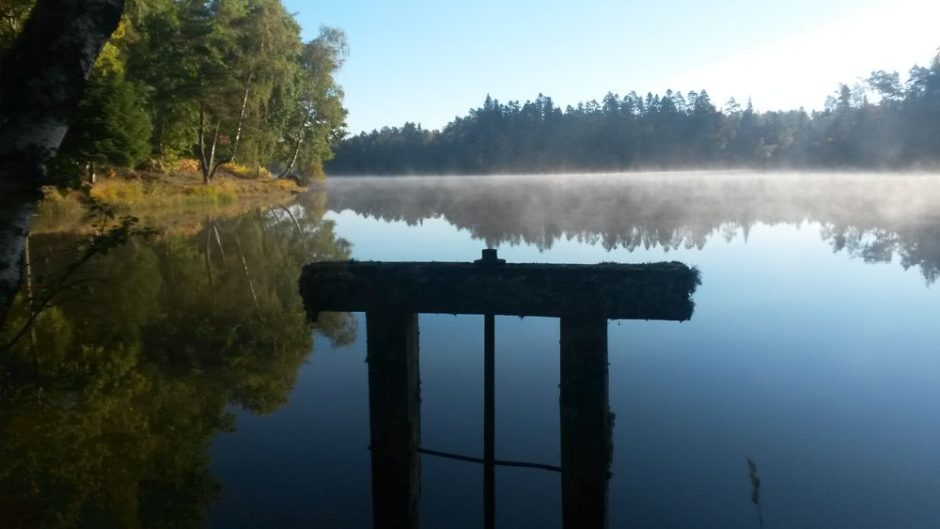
[[228, 84], [882, 122]]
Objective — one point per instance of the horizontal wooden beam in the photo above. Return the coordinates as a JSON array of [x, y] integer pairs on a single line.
[[656, 291]]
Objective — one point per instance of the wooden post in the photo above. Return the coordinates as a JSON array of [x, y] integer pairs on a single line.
[[489, 421], [583, 296], [394, 418], [659, 291], [586, 444]]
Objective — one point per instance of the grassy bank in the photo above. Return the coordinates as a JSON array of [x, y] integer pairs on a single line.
[[176, 201]]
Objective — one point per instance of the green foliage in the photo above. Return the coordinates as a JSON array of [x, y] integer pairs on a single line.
[[111, 127], [224, 81], [310, 109], [228, 79], [13, 14]]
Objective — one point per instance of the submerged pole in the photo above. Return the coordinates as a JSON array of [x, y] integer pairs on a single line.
[[394, 418], [586, 436], [489, 421]]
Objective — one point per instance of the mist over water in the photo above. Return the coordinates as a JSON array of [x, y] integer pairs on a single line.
[[874, 217]]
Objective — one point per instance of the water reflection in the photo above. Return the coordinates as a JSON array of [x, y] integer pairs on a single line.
[[109, 403], [109, 406], [872, 217], [584, 297]]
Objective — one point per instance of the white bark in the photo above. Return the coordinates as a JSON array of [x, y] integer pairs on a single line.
[[52, 59], [14, 228], [241, 117]]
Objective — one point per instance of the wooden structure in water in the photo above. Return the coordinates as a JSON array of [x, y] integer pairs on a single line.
[[584, 297]]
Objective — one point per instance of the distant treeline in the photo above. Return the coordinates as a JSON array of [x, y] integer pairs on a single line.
[[880, 123]]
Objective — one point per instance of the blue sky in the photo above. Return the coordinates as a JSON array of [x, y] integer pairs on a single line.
[[426, 61]]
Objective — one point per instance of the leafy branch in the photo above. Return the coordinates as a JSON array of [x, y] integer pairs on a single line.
[[110, 232]]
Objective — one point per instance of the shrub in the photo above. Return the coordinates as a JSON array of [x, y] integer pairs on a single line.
[[243, 171], [221, 193], [186, 165], [285, 184], [118, 192]]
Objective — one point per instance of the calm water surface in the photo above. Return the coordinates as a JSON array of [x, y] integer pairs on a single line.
[[187, 392]]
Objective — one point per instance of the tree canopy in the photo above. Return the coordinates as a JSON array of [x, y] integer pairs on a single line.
[[220, 81]]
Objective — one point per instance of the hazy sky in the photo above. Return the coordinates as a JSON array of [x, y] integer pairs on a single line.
[[428, 61]]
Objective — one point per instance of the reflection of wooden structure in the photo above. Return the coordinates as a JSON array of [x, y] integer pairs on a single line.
[[584, 297]]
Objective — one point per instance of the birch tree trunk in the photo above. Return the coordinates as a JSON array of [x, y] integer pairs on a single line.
[[293, 160], [42, 78], [241, 117], [213, 165], [293, 157], [16, 212], [207, 163]]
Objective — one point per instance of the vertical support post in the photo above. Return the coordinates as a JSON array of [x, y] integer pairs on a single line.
[[489, 421], [394, 418], [586, 432]]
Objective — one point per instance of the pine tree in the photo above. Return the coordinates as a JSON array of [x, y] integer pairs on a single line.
[[112, 127]]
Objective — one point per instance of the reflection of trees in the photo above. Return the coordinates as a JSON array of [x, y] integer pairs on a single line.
[[870, 217], [918, 244], [108, 407]]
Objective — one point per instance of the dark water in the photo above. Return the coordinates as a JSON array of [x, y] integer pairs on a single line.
[[175, 385]]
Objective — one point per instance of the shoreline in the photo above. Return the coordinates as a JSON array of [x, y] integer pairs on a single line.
[[167, 202]]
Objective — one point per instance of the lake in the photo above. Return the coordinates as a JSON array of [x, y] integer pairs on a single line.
[[175, 380]]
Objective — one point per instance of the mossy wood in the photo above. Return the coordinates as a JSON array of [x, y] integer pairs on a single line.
[[656, 291], [583, 296]]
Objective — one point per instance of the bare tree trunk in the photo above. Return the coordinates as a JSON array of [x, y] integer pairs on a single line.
[[251, 284], [293, 157], [213, 165], [241, 117], [209, 259], [303, 236], [11, 21], [207, 164], [300, 140], [52, 59], [16, 212], [31, 303], [203, 161], [218, 241]]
